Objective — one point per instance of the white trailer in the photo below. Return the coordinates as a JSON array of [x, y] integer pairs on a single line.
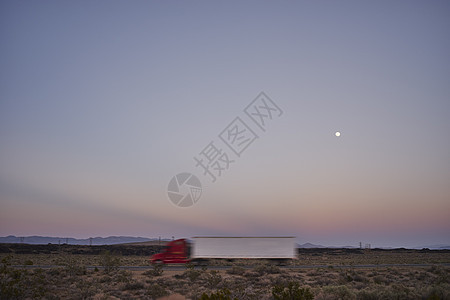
[[276, 248]]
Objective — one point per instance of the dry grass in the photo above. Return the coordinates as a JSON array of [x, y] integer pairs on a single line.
[[363, 257], [72, 280]]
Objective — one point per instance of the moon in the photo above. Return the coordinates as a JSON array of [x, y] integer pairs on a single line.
[[337, 133]]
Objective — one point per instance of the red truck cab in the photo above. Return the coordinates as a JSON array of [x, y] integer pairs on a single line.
[[174, 252]]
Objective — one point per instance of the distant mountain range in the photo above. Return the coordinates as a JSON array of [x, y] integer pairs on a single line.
[[111, 240], [431, 247], [309, 245], [435, 247], [43, 240]]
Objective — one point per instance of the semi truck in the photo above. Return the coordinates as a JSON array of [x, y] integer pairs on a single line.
[[200, 249]]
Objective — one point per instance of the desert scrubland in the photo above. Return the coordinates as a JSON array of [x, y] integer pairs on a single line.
[[97, 272]]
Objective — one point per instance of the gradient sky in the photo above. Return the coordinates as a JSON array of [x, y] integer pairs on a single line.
[[102, 102]]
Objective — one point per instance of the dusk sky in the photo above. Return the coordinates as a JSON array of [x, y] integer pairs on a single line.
[[103, 102]]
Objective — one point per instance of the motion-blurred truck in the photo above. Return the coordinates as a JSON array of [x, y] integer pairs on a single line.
[[201, 249]]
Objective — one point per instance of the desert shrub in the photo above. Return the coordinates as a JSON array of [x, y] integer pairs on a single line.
[[55, 272], [322, 281], [133, 285], [379, 279], [352, 275], [109, 262], [106, 279], [372, 274], [37, 284], [422, 276], [11, 280], [396, 291], [368, 294], [291, 291], [235, 270], [442, 274], [267, 269], [437, 292], [156, 291], [157, 270], [280, 281], [242, 289], [20, 284], [223, 294], [360, 278], [124, 276], [50, 296], [191, 273], [316, 272], [248, 293], [340, 292], [85, 289], [28, 262], [171, 283], [394, 271], [213, 279], [345, 277], [73, 268], [435, 269], [251, 274]]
